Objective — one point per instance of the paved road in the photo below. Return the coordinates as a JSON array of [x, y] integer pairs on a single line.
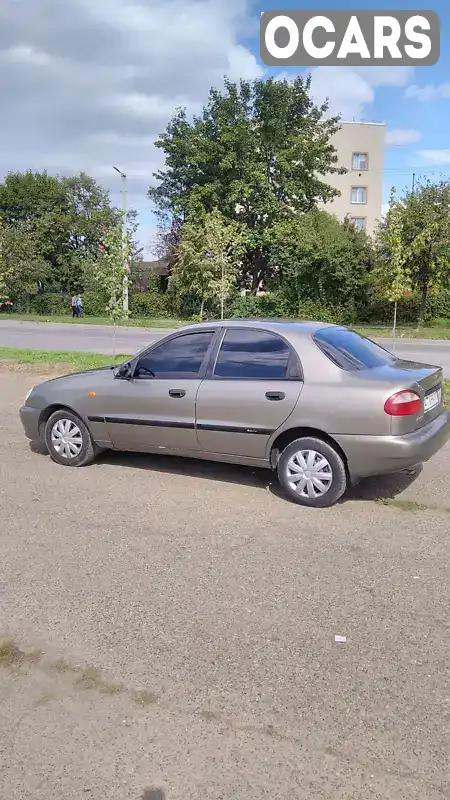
[[185, 617], [62, 336], [99, 339]]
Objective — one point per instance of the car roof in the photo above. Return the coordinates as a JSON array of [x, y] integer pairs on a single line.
[[282, 326]]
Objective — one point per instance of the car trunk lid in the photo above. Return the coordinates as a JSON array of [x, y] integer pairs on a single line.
[[424, 379]]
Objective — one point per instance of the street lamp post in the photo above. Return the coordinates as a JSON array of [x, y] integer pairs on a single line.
[[124, 236]]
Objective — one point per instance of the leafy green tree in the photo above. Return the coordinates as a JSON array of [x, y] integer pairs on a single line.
[[68, 216], [208, 259], [111, 267], [256, 154], [23, 268], [414, 243], [319, 259]]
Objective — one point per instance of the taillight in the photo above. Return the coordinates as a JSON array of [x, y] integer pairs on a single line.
[[403, 404]]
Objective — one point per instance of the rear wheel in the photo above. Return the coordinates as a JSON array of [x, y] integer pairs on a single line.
[[312, 473], [68, 440]]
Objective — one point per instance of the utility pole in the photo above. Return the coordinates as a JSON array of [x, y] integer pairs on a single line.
[[413, 182], [124, 238]]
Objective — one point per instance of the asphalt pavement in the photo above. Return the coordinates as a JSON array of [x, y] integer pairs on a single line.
[[99, 339], [172, 631]]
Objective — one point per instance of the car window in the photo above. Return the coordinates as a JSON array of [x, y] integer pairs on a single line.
[[182, 356], [351, 351], [252, 354]]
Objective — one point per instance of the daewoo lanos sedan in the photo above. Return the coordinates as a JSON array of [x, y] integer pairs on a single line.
[[319, 404]]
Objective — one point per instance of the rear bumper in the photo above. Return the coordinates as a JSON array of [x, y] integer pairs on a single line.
[[381, 455], [29, 418]]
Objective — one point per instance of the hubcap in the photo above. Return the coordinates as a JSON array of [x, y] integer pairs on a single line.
[[309, 474], [67, 439]]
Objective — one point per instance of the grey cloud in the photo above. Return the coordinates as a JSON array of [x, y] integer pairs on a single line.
[[70, 71]]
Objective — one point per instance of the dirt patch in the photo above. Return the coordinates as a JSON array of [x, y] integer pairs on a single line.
[[8, 365]]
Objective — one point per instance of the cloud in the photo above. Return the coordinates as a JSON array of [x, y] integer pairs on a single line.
[[351, 91], [91, 83], [429, 93], [401, 136], [437, 157]]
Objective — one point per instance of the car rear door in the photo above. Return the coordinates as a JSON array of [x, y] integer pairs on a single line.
[[156, 408], [250, 389]]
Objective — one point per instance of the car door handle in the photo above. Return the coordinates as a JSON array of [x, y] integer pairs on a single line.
[[275, 395], [177, 392]]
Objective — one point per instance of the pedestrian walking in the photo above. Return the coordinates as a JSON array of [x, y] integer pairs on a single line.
[[80, 305], [74, 306]]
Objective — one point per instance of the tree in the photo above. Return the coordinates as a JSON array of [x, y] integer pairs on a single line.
[[256, 154], [111, 267], [414, 243], [320, 259], [68, 216], [208, 258], [23, 268]]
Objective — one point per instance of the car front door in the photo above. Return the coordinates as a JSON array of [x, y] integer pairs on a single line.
[[156, 407], [249, 390]]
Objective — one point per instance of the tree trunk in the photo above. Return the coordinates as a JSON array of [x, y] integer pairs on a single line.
[[202, 307], [423, 305]]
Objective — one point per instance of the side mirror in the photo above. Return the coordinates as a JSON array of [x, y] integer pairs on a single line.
[[125, 371]]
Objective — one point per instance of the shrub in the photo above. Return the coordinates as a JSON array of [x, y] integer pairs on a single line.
[[50, 304], [250, 306], [318, 312], [94, 304], [275, 304], [149, 304]]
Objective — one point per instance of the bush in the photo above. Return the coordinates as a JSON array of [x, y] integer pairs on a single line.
[[94, 304], [317, 312], [250, 306], [50, 304], [150, 304], [275, 304]]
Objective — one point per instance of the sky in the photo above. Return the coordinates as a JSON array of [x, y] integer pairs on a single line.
[[88, 84]]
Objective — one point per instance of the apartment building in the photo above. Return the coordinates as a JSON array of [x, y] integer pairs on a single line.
[[360, 147]]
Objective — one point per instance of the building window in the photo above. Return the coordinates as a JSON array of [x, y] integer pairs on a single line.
[[359, 195], [359, 223], [360, 161]]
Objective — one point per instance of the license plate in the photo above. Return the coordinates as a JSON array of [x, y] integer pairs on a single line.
[[432, 400]]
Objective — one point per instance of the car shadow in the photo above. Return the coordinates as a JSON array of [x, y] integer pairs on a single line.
[[385, 487]]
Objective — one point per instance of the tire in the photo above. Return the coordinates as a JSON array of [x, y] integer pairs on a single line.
[[331, 477], [81, 450]]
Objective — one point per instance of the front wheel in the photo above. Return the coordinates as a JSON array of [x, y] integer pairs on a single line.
[[68, 440], [312, 473]]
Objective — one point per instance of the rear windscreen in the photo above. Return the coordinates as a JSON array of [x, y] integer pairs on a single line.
[[350, 351]]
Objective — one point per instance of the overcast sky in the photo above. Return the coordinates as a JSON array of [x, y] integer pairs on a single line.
[[85, 84]]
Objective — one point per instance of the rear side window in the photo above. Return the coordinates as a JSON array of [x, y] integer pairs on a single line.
[[351, 351], [252, 355]]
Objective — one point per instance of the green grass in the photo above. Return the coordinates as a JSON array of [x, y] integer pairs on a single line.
[[46, 358], [130, 323], [405, 333]]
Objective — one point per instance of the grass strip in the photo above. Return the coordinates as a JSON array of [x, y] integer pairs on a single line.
[[46, 358], [147, 322]]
